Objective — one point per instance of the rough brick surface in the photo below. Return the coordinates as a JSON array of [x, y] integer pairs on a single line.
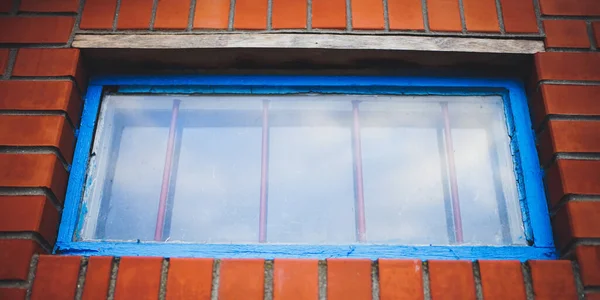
[[13, 293], [189, 278], [329, 14], [172, 15], [3, 60], [242, 279], [481, 15], [56, 277], [405, 15], [250, 14], [33, 170], [576, 220], [400, 279], [570, 7], [348, 279], [596, 28], [211, 14], [36, 29], [568, 66], [553, 280], [15, 256], [29, 213], [295, 279], [138, 278], [49, 62], [565, 99], [566, 33], [451, 280], [134, 14], [98, 14], [367, 14], [502, 280], [569, 136], [519, 16], [571, 176], [97, 278], [444, 15], [588, 258], [49, 5]]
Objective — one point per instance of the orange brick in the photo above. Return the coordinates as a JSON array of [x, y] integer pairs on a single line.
[[15, 256], [33, 170], [98, 14], [12, 293], [367, 14], [444, 15], [481, 15], [329, 14], [250, 14], [451, 280], [189, 278], [566, 33], [58, 95], [138, 278], [588, 258], [242, 279], [172, 14], [502, 280], [49, 62], [97, 278], [565, 99], [567, 66], [296, 279], [405, 15], [576, 220], [36, 29], [289, 14], [348, 279], [569, 136], [571, 176], [56, 277], [519, 16], [400, 279], [49, 5], [211, 14], [553, 279], [37, 131], [570, 7], [29, 213], [135, 14], [3, 60]]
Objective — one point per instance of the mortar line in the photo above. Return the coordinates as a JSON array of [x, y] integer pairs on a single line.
[[425, 16], [386, 16], [32, 191], [116, 17], [81, 278], [27, 235], [231, 15], [153, 15], [216, 273], [348, 15], [375, 280], [527, 280], [538, 16], [269, 15], [477, 279], [77, 22], [500, 17], [309, 15], [426, 283], [112, 283], [322, 276], [31, 275], [164, 275], [191, 15], [268, 280], [577, 279], [12, 58], [463, 21], [38, 113], [37, 150], [15, 7], [591, 36]]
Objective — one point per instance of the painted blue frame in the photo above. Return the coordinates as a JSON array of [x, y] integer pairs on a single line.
[[529, 175]]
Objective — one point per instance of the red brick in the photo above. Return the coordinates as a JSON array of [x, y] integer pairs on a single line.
[[405, 14], [592, 296], [15, 256], [596, 27], [567, 100], [588, 258], [451, 280], [250, 14], [3, 60], [29, 213], [98, 14], [49, 5], [367, 14], [502, 280], [553, 279], [172, 14], [5, 6], [481, 15], [568, 66], [444, 15], [57, 95], [97, 278], [135, 14], [572, 177], [519, 16], [49, 62], [296, 279], [51, 131], [348, 279], [576, 220], [329, 14], [242, 279], [56, 277], [36, 29], [400, 279], [566, 33], [570, 7], [570, 136], [12, 293], [289, 14], [212, 14], [189, 278], [138, 278], [33, 170]]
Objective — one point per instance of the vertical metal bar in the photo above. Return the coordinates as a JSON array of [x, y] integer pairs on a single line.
[[360, 200], [452, 173], [445, 185], [264, 169], [164, 190], [500, 197]]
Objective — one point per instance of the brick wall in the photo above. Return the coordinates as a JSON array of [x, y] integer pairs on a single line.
[[41, 88]]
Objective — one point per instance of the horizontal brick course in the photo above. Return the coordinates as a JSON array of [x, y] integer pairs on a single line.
[[569, 136], [289, 14], [566, 33], [502, 280], [519, 16], [400, 279], [405, 15], [481, 16], [189, 278], [212, 14], [367, 15], [50, 62], [36, 30], [451, 280], [568, 66], [576, 220], [565, 177], [444, 15], [553, 280], [134, 14], [241, 279], [13, 293], [564, 99], [33, 170], [138, 278], [49, 5], [329, 14], [250, 14], [172, 15], [295, 279], [588, 258], [98, 14], [570, 7], [56, 277], [15, 256], [29, 213], [97, 278]]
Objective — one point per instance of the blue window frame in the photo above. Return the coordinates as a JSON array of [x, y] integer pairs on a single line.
[[528, 175]]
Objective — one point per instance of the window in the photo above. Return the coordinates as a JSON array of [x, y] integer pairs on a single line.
[[306, 166]]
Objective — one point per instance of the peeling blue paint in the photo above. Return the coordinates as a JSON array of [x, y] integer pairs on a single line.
[[527, 168]]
